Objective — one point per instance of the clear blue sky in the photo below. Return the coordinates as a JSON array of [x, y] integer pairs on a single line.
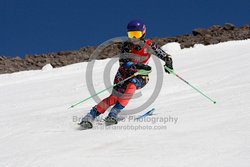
[[43, 26]]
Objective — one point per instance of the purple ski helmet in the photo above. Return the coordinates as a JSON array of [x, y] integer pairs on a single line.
[[136, 26]]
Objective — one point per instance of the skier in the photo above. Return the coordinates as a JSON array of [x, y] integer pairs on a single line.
[[137, 51]]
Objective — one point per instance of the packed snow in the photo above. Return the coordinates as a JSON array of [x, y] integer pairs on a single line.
[[37, 129]]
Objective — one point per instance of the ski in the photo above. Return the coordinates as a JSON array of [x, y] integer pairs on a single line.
[[149, 113], [111, 121]]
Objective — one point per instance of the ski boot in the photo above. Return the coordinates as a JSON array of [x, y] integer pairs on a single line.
[[87, 121], [112, 117]]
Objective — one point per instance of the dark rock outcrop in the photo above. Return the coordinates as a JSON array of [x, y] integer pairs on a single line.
[[213, 35]]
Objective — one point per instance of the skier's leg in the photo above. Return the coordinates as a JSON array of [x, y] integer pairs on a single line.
[[97, 110], [123, 100], [90, 116], [121, 103], [101, 107], [106, 103], [129, 92], [115, 110]]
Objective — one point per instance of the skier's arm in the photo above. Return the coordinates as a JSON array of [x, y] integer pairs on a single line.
[[157, 51], [123, 59]]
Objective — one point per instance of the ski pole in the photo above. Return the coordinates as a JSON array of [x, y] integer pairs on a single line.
[[172, 72], [140, 72]]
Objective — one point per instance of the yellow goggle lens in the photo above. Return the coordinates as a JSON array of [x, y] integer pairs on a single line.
[[135, 34]]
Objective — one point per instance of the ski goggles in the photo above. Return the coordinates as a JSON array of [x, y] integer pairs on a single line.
[[135, 34]]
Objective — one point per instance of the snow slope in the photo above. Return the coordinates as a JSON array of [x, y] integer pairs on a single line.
[[36, 129]]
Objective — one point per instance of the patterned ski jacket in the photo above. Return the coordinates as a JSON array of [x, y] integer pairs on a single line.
[[136, 56]]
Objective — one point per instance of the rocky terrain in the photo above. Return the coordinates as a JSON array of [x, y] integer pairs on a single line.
[[213, 35]]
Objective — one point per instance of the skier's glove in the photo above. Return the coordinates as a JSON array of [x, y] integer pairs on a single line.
[[142, 66], [143, 69], [131, 68], [169, 64], [143, 72]]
